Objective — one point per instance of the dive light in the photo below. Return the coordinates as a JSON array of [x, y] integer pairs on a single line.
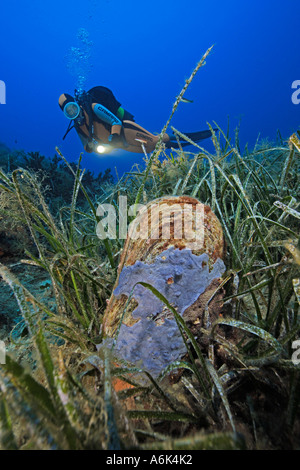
[[102, 148]]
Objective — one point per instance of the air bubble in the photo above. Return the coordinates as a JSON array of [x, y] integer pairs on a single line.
[[78, 59]]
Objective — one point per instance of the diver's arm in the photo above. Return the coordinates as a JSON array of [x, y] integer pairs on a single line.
[[107, 116], [116, 129]]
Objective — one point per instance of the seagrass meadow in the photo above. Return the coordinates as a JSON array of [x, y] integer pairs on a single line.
[[238, 385]]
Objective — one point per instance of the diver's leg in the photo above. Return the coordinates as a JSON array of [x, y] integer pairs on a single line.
[[136, 135]]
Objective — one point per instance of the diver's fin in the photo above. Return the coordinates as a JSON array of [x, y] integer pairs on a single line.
[[201, 135], [195, 136]]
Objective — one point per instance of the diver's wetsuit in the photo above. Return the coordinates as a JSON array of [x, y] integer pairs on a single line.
[[106, 99], [103, 120]]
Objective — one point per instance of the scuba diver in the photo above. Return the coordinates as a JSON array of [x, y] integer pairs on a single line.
[[103, 124]]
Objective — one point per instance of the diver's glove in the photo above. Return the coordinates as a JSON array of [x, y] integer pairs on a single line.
[[115, 139]]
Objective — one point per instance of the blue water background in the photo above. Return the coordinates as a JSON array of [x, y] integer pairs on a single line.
[[144, 51]]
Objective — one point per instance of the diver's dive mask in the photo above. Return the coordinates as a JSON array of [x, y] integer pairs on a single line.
[[72, 110]]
